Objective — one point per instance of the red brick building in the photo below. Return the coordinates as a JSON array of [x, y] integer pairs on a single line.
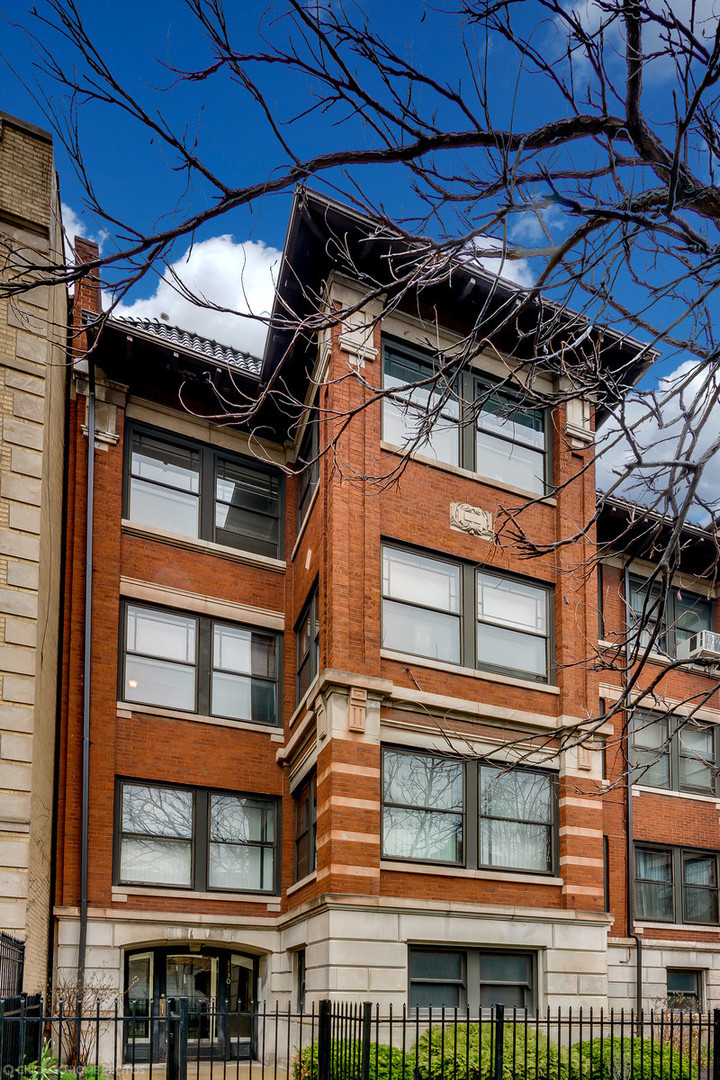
[[306, 682]]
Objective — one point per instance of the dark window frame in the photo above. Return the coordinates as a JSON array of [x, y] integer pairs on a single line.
[[307, 828], [683, 999], [200, 837], [467, 615], [471, 390], [309, 460], [472, 818], [471, 980], [677, 882], [663, 613], [311, 656], [673, 751], [204, 664], [210, 457]]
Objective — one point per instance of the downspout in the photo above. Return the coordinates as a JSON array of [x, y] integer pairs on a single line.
[[85, 813], [629, 854]]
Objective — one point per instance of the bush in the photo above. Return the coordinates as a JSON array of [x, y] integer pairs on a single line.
[[471, 1055], [48, 1068], [618, 1059], [345, 1058]]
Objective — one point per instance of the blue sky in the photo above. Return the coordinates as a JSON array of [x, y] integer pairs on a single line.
[[232, 258]]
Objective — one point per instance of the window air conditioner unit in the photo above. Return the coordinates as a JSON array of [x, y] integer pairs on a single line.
[[702, 646]]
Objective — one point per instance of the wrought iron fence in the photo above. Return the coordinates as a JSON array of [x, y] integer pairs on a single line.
[[12, 960], [190, 1040]]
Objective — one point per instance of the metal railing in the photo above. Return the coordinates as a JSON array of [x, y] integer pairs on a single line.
[[187, 1040], [12, 962]]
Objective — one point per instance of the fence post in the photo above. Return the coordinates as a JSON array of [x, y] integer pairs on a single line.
[[366, 1030], [716, 1045], [324, 1040], [499, 1041]]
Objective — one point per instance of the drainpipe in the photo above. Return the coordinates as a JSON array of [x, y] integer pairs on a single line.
[[82, 943], [629, 855]]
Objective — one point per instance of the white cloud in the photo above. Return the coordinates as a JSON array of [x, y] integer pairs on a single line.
[[77, 225], [516, 271], [236, 276], [678, 421]]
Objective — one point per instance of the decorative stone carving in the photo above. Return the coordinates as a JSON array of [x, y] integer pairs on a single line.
[[357, 709], [473, 520]]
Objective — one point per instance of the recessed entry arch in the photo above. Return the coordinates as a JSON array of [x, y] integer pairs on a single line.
[[220, 984]]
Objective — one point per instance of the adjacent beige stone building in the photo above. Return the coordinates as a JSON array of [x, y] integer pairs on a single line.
[[33, 328]]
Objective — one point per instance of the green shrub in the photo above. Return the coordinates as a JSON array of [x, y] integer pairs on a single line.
[[345, 1059], [619, 1059], [470, 1055], [47, 1067]]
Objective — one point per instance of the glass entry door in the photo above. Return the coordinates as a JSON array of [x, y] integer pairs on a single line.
[[195, 978], [221, 988]]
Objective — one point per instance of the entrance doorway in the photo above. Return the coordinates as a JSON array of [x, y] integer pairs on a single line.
[[220, 986]]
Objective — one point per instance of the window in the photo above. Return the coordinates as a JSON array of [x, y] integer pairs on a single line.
[[195, 839], [684, 989], [441, 810], [424, 418], [669, 752], [473, 978], [196, 491], [423, 807], [427, 611], [305, 829], [300, 979], [516, 818], [676, 885], [196, 664], [665, 623], [501, 437], [309, 462], [308, 646]]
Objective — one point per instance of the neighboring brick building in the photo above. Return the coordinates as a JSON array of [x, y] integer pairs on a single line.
[[673, 756], [33, 330], [305, 683]]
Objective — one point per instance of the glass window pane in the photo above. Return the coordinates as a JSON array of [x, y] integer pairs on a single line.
[[235, 866], [402, 426], [407, 414], [236, 818], [164, 485], [422, 834], [696, 747], [164, 508], [160, 633], [699, 870], [421, 632], [511, 603], [654, 901], [516, 794], [503, 415], [504, 967], [512, 651], [653, 865], [682, 981], [436, 964], [511, 464], [651, 750], [515, 845], [512, 997], [700, 905], [155, 682], [243, 651], [157, 811], [422, 780], [434, 995], [156, 862], [692, 614], [408, 576]]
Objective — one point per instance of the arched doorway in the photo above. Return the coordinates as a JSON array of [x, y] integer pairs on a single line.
[[220, 985]]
